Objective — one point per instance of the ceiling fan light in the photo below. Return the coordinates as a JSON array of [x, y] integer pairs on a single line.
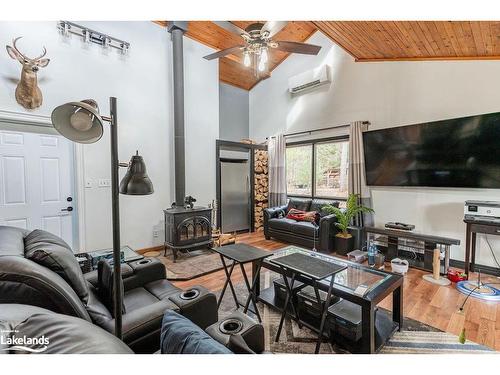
[[263, 55], [262, 65], [246, 59]]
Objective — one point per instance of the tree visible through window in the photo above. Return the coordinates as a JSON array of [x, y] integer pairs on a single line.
[[299, 170], [329, 173], [331, 166]]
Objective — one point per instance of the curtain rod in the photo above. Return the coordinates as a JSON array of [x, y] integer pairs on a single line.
[[318, 130]]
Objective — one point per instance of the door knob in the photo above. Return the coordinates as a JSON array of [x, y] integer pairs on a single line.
[[68, 209]]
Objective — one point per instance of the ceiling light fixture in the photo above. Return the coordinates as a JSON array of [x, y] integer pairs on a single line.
[[246, 59], [263, 55], [258, 42], [93, 36], [262, 64]]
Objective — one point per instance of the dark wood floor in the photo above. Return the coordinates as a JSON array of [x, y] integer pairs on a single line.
[[434, 305]]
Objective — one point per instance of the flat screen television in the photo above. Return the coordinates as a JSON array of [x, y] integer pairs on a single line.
[[461, 153]]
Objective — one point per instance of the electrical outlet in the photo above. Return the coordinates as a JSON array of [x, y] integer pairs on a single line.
[[156, 234]]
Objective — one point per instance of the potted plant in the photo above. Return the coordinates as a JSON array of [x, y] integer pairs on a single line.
[[344, 242]]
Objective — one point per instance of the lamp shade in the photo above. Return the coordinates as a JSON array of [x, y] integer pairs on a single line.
[[78, 121], [136, 180]]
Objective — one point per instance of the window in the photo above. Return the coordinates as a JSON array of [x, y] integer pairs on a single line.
[[328, 172], [331, 168], [299, 170]]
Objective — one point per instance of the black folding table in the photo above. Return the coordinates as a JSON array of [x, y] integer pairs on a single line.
[[242, 254], [315, 269]]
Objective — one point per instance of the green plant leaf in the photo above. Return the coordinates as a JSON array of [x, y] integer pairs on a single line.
[[344, 217], [462, 338]]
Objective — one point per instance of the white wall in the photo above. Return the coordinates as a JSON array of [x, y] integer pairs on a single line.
[[202, 121], [142, 82], [387, 94], [233, 113]]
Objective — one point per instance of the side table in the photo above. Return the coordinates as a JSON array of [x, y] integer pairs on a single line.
[[242, 254], [472, 228]]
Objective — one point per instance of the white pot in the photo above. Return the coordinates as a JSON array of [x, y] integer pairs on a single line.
[[399, 265]]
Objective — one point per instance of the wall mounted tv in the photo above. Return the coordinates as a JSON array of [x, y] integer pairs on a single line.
[[462, 153]]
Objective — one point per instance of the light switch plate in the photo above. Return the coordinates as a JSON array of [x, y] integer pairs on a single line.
[[104, 182]]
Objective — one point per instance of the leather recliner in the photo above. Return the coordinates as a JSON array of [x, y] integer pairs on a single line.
[[38, 268], [321, 236], [31, 329]]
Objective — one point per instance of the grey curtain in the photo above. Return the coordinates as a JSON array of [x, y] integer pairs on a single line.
[[277, 175], [357, 181]]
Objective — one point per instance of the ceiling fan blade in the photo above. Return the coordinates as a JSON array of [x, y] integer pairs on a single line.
[[231, 27], [273, 27], [223, 52], [296, 47]]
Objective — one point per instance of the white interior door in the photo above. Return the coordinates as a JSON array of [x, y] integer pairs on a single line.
[[36, 183]]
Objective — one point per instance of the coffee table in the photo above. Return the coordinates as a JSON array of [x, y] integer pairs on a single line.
[[358, 284], [242, 254], [92, 257], [298, 264]]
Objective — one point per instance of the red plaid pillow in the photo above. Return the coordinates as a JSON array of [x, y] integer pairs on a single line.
[[300, 215]]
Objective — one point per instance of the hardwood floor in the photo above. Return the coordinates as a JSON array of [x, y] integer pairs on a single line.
[[435, 305]]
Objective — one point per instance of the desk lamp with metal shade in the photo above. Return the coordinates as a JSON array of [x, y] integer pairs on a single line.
[[81, 122]]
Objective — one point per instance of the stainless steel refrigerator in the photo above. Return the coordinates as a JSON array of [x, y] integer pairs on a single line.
[[235, 195]]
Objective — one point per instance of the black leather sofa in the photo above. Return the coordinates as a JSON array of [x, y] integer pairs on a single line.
[[38, 268], [236, 333], [54, 333], [301, 232]]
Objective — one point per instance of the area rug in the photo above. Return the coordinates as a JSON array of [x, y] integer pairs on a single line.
[[417, 337], [420, 342], [189, 265]]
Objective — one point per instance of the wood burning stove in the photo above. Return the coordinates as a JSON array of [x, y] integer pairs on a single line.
[[187, 228]]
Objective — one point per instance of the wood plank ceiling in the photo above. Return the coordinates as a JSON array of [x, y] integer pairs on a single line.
[[364, 40], [415, 40]]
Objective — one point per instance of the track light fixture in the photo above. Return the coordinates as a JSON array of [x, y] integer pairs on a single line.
[[93, 36]]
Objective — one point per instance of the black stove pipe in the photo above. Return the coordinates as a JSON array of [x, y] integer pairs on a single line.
[[177, 30]]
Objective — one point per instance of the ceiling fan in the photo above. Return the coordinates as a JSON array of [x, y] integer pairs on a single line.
[[258, 43]]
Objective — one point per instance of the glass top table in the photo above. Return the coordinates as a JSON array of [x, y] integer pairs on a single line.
[[357, 278], [129, 255], [359, 284]]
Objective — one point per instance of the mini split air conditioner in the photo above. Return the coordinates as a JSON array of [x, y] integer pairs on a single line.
[[309, 80]]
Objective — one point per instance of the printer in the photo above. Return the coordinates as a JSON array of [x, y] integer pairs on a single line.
[[482, 211]]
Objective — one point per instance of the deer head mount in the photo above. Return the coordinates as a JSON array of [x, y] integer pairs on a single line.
[[28, 93]]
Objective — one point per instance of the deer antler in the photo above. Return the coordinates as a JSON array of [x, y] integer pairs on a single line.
[[15, 47], [42, 55], [23, 55]]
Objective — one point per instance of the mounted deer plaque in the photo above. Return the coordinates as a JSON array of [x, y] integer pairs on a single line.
[[28, 93]]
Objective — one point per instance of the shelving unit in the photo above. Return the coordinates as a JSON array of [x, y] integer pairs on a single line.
[[416, 248]]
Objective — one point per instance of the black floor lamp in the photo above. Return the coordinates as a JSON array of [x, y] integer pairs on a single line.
[[80, 122]]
